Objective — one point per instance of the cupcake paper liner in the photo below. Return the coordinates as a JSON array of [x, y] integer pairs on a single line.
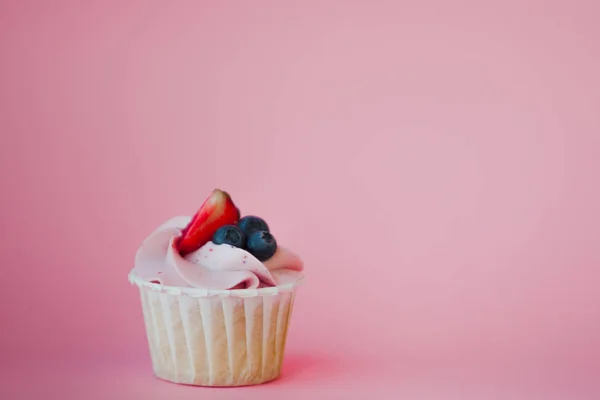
[[216, 337]]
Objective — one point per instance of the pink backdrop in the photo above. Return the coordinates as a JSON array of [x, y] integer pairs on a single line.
[[436, 164]]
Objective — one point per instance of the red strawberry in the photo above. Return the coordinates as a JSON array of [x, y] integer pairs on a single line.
[[217, 210]]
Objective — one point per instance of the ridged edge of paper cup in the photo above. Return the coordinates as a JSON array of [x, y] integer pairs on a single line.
[[197, 292], [216, 341]]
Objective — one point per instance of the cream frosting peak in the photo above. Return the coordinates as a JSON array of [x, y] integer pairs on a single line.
[[212, 266]]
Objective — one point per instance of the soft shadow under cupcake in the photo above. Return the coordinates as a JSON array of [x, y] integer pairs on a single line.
[[301, 366]]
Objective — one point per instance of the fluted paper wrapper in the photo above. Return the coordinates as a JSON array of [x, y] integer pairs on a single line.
[[216, 339]]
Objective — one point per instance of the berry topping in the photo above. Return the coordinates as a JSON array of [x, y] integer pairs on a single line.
[[218, 210], [229, 234], [262, 245], [250, 224]]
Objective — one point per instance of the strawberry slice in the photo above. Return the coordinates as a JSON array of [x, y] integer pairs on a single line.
[[217, 210]]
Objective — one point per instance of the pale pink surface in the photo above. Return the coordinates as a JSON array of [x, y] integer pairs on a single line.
[[212, 266], [450, 148]]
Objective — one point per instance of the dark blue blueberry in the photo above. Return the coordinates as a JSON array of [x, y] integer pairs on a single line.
[[230, 234], [262, 245], [250, 224]]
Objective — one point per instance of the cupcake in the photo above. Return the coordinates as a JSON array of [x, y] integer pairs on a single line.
[[217, 294]]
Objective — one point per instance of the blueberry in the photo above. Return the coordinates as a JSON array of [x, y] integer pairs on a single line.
[[262, 245], [230, 234], [250, 224]]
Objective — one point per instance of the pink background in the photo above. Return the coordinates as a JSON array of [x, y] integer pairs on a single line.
[[436, 164]]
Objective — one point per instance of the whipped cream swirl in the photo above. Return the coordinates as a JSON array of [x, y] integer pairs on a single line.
[[212, 266]]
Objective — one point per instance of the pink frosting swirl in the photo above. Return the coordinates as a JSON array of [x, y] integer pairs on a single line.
[[212, 266]]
